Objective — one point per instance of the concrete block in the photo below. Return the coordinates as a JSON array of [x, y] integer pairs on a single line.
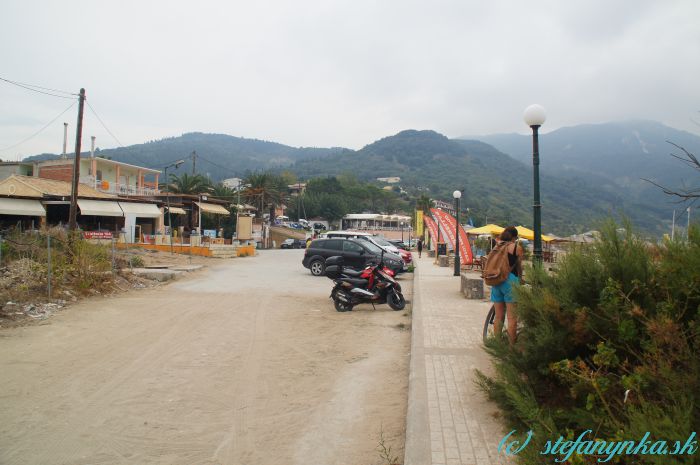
[[472, 288], [443, 261], [156, 274]]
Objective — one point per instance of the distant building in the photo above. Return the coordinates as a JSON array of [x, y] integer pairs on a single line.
[[375, 221], [232, 183], [8, 168], [445, 206], [296, 189], [390, 180]]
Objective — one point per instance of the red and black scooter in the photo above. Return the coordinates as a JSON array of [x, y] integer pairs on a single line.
[[373, 285]]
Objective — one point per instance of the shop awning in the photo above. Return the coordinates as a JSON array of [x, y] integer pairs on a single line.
[[490, 228], [529, 234], [99, 208], [140, 210], [212, 208], [177, 211], [23, 207]]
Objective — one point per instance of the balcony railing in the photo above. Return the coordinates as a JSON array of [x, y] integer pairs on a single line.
[[116, 188]]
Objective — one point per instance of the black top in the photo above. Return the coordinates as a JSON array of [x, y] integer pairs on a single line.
[[513, 260]]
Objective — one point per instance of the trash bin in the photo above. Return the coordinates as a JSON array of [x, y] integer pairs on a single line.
[[442, 248]]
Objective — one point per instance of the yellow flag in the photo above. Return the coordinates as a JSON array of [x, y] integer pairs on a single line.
[[419, 223]]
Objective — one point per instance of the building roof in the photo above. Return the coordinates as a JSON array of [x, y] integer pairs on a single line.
[[376, 216], [29, 186]]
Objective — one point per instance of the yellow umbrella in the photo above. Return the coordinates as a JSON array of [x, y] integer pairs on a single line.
[[488, 229], [529, 234]]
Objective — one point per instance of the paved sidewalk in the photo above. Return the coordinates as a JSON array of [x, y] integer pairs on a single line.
[[449, 420]]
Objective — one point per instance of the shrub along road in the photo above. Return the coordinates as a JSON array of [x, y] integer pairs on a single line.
[[245, 362]]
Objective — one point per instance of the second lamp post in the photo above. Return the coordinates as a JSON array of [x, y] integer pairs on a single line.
[[534, 117], [457, 195]]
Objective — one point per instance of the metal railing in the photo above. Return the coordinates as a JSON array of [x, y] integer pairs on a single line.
[[117, 188]]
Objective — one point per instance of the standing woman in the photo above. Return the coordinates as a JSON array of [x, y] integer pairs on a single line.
[[420, 246], [502, 295]]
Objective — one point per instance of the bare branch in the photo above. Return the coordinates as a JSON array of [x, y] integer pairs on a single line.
[[684, 195]]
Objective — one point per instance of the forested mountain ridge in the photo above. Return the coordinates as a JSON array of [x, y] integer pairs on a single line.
[[587, 172], [622, 154], [219, 155], [497, 187]]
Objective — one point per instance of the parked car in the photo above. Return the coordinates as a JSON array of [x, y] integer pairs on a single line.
[[357, 254], [292, 244], [377, 240], [400, 244], [319, 227]]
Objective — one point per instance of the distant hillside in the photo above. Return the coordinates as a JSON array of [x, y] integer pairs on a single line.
[[612, 153], [496, 186], [219, 155], [588, 172]]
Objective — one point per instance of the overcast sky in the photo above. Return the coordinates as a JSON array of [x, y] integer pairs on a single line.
[[341, 73]]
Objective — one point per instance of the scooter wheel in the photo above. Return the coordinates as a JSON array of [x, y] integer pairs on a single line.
[[396, 301], [342, 306]]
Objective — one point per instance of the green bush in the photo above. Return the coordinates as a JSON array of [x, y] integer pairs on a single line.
[[609, 343]]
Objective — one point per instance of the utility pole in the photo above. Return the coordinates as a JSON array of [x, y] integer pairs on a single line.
[[673, 225], [65, 139], [194, 162], [76, 164]]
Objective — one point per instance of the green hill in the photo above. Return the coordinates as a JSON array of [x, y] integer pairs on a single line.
[[497, 187], [613, 155], [588, 172]]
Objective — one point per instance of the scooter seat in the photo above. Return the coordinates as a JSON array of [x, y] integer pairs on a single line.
[[351, 273], [357, 282]]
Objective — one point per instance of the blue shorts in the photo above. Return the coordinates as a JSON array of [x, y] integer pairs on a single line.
[[504, 291]]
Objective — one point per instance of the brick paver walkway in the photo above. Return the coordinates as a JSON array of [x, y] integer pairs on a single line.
[[450, 421]]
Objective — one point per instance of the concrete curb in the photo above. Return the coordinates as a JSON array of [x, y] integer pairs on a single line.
[[417, 446]]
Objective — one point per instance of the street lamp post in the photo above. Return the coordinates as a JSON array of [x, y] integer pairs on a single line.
[[176, 165], [457, 195], [534, 117], [402, 231]]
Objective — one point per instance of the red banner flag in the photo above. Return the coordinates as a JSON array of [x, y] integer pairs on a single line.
[[432, 229], [449, 225]]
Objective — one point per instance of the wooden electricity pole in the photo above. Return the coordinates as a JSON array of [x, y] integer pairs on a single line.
[[76, 165]]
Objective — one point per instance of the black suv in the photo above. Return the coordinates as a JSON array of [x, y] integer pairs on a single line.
[[357, 254]]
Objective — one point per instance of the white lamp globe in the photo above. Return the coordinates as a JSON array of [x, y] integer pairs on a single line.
[[534, 115], [456, 194]]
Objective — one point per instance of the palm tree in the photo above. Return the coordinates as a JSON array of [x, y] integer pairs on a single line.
[[189, 184], [223, 192], [265, 190], [424, 203]]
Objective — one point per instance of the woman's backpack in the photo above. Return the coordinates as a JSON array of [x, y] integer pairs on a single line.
[[497, 267]]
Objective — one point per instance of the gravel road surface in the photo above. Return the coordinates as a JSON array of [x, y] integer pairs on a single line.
[[245, 362]]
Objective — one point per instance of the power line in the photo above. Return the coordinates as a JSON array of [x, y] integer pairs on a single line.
[[102, 123], [40, 130], [228, 170], [113, 136], [33, 88]]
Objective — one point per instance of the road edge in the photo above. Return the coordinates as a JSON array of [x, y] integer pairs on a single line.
[[417, 442]]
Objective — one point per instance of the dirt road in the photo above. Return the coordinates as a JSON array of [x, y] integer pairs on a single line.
[[246, 362]]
